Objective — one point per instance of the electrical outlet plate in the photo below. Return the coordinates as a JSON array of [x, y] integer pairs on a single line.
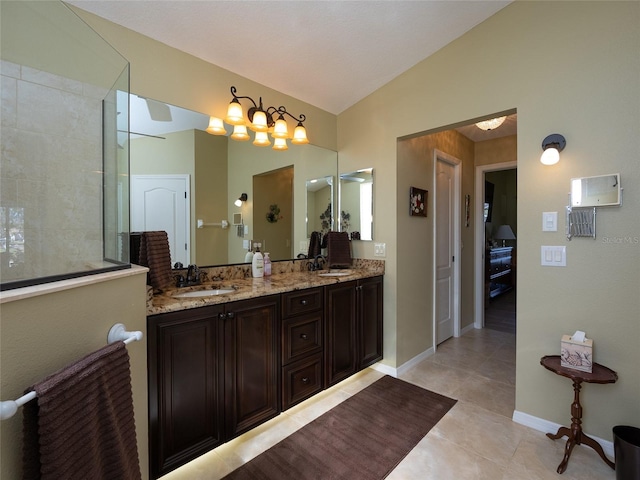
[[380, 249]]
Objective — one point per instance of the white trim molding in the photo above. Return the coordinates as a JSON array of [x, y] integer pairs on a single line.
[[542, 425]]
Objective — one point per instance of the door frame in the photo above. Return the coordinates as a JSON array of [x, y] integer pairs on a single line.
[[479, 269], [439, 155]]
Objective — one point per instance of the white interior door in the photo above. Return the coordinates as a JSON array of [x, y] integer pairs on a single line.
[[446, 258], [161, 202]]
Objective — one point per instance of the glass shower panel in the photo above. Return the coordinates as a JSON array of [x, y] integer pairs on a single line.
[[59, 145]]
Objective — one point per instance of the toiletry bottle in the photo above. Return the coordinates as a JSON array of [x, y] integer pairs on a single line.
[[248, 258], [257, 264], [267, 264]]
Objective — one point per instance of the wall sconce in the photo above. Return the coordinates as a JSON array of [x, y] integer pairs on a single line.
[[241, 200], [552, 146], [261, 121]]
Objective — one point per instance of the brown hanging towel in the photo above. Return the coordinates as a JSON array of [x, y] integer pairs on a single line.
[[155, 254], [339, 250], [81, 426]]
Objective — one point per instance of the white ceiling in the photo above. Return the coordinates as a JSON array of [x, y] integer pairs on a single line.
[[330, 54]]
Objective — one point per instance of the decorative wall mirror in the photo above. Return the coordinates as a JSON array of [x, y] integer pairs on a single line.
[[320, 204], [598, 191], [356, 204]]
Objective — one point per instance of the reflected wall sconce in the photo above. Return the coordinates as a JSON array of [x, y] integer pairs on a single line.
[[552, 145], [241, 200], [262, 121]]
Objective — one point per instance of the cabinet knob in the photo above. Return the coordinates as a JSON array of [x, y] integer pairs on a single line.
[[303, 302], [305, 380], [231, 315], [303, 336], [222, 316]]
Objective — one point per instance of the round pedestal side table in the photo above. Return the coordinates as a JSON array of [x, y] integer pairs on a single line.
[[575, 435]]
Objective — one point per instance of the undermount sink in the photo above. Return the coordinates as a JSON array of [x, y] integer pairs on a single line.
[[336, 274], [204, 293]]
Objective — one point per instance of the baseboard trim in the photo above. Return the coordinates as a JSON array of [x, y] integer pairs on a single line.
[[396, 371], [546, 426]]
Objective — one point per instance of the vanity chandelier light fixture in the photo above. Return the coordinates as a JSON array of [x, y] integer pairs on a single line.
[[552, 145], [261, 121], [491, 124]]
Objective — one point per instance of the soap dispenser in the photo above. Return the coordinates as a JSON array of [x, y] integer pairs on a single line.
[[248, 258], [267, 264], [257, 264]]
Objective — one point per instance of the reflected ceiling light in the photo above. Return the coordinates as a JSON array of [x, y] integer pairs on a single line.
[[491, 124], [261, 121], [552, 145], [241, 200]]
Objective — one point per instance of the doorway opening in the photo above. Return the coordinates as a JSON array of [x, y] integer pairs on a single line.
[[496, 253]]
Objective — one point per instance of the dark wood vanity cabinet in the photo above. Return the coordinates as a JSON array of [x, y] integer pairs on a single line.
[[213, 374], [369, 317], [302, 345], [252, 362], [353, 327], [217, 371]]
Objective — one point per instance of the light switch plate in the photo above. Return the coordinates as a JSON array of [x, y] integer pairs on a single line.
[[379, 249], [549, 221], [553, 256]]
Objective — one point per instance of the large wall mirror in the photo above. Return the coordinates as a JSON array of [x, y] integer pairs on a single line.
[[171, 151], [356, 204]]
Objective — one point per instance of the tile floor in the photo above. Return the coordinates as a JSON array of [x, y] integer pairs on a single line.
[[476, 439]]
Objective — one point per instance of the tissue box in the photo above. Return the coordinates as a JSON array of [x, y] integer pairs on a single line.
[[575, 354]]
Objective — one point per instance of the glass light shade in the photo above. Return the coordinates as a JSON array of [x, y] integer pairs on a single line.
[[238, 203], [234, 114], [550, 156], [240, 133], [491, 124], [262, 139], [259, 122], [280, 144], [280, 130], [216, 127], [300, 135]]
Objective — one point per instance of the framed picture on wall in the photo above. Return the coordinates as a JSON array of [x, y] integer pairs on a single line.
[[418, 202]]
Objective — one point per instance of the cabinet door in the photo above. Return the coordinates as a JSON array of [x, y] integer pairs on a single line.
[[185, 386], [340, 332], [252, 380], [369, 321]]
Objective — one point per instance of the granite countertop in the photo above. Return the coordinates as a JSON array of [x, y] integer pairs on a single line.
[[247, 287]]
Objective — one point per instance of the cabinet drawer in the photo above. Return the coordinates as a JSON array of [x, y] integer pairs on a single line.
[[301, 301], [301, 336], [301, 380]]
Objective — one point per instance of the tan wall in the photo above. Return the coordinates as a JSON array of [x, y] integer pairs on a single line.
[[547, 60], [47, 332], [416, 234], [211, 204]]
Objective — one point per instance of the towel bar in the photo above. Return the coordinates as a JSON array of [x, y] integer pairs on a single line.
[[117, 333]]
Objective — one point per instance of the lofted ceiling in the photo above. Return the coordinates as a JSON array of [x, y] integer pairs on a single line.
[[330, 54]]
